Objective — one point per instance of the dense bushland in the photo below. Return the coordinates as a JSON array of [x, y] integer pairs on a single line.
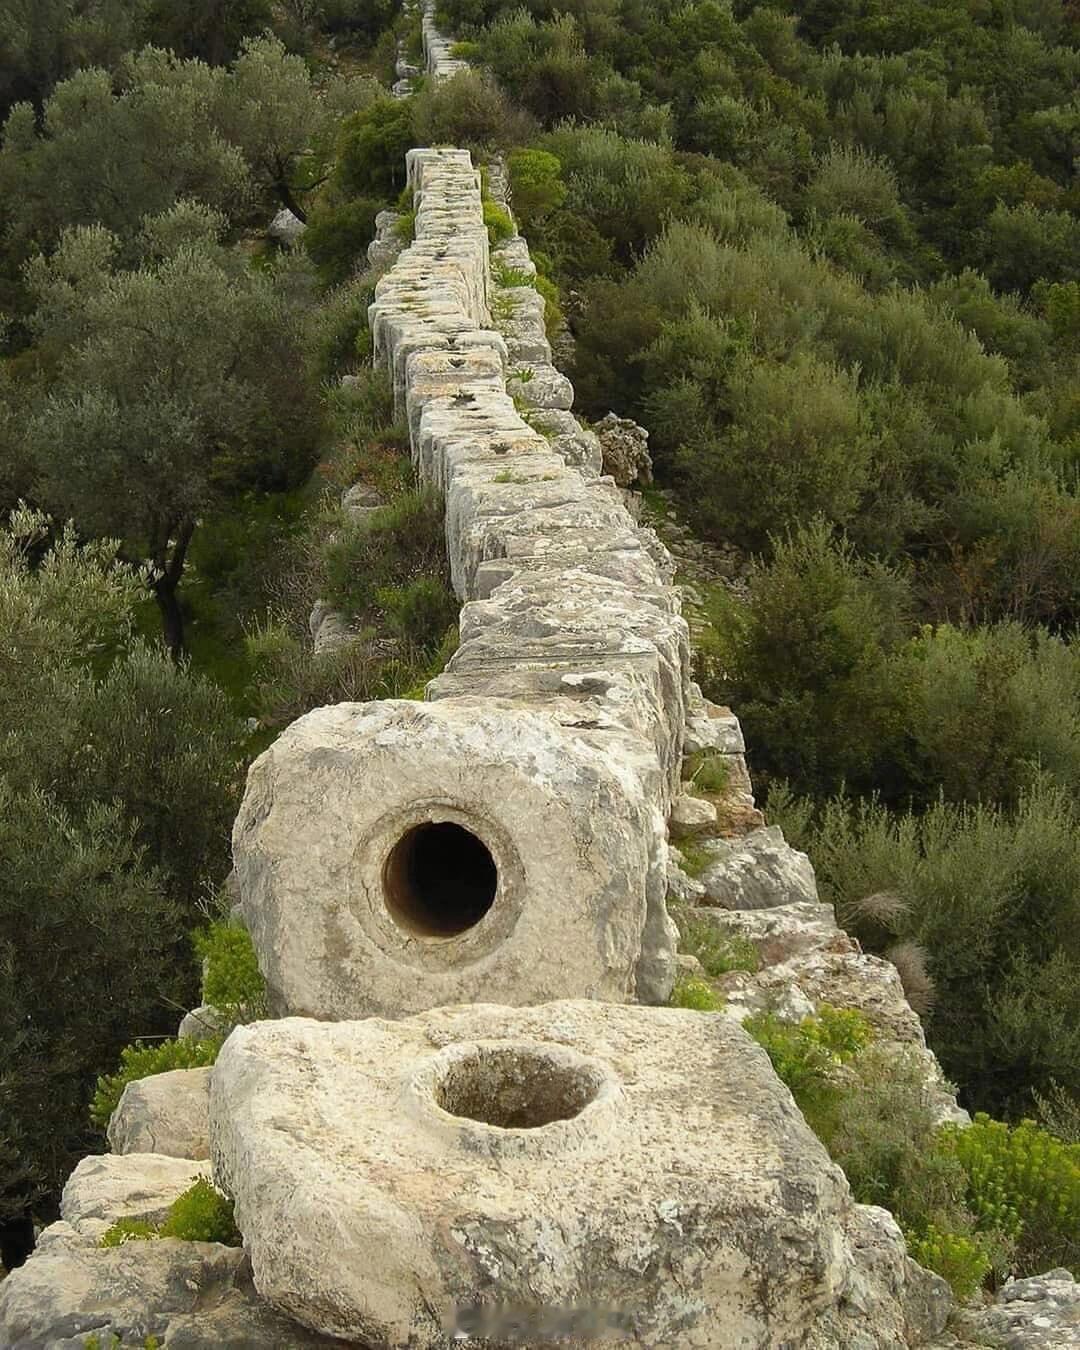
[[829, 259]]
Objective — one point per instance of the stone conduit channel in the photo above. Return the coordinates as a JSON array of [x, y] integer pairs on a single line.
[[505, 840]]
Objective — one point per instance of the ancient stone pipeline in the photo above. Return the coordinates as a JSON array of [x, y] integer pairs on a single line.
[[504, 840]]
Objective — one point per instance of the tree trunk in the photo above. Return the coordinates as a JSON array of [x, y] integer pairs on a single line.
[[170, 570], [172, 618], [286, 198]]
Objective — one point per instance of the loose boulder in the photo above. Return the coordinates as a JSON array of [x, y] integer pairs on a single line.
[[757, 871], [167, 1113]]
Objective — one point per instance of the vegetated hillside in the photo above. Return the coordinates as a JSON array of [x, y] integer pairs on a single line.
[[829, 260]]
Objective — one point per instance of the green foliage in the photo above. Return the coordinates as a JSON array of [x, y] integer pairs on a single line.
[[232, 981], [337, 237], [717, 951], [393, 545], [499, 225], [989, 894], [419, 612], [117, 788], [371, 149], [468, 109], [708, 772], [202, 1214], [695, 994], [806, 661], [805, 1055], [1025, 1182], [141, 1061], [535, 184], [959, 1258], [128, 1230], [183, 379]]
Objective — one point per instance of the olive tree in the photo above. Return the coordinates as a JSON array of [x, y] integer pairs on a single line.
[[118, 783], [181, 382]]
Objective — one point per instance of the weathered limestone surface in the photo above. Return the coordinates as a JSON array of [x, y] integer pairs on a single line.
[[625, 447], [189, 1295], [141, 1186], [756, 872], [562, 812], [285, 228], [1039, 1313], [167, 1113], [395, 1180]]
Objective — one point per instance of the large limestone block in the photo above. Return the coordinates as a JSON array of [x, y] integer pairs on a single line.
[[167, 1113], [757, 872], [627, 1175], [186, 1295], [397, 856], [108, 1187]]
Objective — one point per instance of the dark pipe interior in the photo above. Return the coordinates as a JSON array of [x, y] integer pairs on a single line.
[[439, 880]]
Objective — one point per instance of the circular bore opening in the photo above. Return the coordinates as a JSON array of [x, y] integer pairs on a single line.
[[439, 880], [515, 1089]]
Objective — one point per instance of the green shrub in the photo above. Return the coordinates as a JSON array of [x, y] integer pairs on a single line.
[[696, 994], [202, 1214], [232, 981], [990, 895], [498, 223], [371, 153], [959, 1258], [807, 1054], [1025, 1182], [717, 951], [420, 611], [395, 544], [339, 329], [708, 771], [337, 237], [141, 1061], [535, 184], [469, 109]]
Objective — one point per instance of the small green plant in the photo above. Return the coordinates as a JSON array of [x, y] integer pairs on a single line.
[[129, 1230], [807, 1054], [141, 1061], [510, 278], [523, 373], [708, 771], [405, 226], [498, 223], [717, 951], [232, 981], [697, 994], [695, 858], [959, 1258], [202, 1214]]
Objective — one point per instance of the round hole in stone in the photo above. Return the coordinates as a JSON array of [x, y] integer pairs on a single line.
[[516, 1089], [439, 880]]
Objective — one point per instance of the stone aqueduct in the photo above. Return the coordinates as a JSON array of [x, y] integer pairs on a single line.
[[470, 1121]]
